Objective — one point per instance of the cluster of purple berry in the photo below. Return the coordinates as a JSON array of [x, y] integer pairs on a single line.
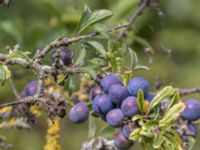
[[190, 114], [117, 104], [114, 103]]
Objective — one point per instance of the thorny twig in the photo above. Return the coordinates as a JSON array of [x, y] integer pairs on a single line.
[[184, 92], [133, 18], [17, 95], [26, 100], [64, 41]]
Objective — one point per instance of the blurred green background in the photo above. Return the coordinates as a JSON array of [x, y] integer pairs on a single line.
[[173, 30]]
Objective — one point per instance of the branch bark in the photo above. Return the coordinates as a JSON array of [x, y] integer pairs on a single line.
[[132, 19], [26, 100], [184, 92], [17, 95]]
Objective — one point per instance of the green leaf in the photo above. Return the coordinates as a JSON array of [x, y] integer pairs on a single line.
[[175, 99], [97, 61], [146, 133], [172, 113], [175, 139], [71, 84], [136, 117], [151, 123], [19, 54], [140, 100], [191, 142], [92, 127], [163, 94], [79, 56], [89, 71], [102, 30], [97, 46], [61, 78], [158, 140], [107, 132], [85, 15], [89, 18], [133, 58], [140, 67], [4, 73], [135, 134]]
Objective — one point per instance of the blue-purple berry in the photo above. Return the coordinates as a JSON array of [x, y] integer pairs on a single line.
[[79, 112], [118, 93], [129, 106], [102, 104], [96, 90], [30, 89], [135, 84], [115, 117], [109, 80], [66, 55], [127, 129], [121, 142], [191, 130], [192, 110]]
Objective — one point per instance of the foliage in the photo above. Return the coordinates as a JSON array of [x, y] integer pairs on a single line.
[[96, 53]]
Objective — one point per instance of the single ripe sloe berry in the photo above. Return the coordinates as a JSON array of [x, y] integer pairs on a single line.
[[115, 117], [30, 89], [109, 80], [95, 91], [118, 93], [79, 112], [129, 106], [127, 130], [102, 104], [192, 110], [121, 142], [135, 84], [66, 55]]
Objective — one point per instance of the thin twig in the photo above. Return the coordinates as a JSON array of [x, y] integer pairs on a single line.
[[25, 100], [158, 83], [184, 92], [133, 18], [64, 41], [17, 95]]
